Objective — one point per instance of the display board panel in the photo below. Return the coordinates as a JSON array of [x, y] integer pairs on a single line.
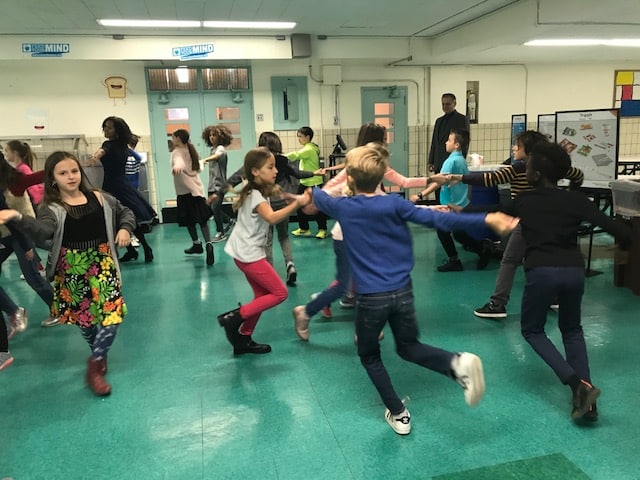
[[547, 125], [590, 137]]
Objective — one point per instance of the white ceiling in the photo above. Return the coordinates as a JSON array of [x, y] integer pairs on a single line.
[[436, 31]]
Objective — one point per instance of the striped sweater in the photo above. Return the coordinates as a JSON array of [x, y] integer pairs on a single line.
[[516, 175]]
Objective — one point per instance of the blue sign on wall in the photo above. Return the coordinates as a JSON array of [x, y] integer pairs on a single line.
[[46, 49], [193, 51]]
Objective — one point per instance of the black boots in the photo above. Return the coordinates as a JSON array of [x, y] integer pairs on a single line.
[[231, 322], [132, 254], [245, 344], [148, 254], [210, 255], [242, 344], [194, 249]]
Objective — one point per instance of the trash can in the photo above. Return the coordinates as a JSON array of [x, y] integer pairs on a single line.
[[626, 264]]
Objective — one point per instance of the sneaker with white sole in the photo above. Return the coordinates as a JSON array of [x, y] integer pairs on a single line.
[[348, 301], [219, 237], [20, 320], [301, 322], [491, 310], [467, 371], [401, 423]]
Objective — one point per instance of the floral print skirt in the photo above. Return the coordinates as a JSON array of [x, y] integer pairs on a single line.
[[87, 289]]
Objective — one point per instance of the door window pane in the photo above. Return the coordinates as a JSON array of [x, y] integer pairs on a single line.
[[228, 113], [176, 114], [383, 108]]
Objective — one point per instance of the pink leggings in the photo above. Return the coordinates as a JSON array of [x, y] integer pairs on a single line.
[[268, 288]]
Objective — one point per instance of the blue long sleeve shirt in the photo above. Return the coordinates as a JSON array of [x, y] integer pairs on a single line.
[[377, 238]]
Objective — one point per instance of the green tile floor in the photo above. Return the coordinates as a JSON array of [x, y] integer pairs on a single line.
[[183, 407]]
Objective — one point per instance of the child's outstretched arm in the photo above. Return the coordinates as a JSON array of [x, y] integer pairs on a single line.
[[501, 223], [276, 216]]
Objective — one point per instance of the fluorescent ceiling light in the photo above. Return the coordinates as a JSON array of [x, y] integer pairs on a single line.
[[150, 23], [584, 42], [250, 25]]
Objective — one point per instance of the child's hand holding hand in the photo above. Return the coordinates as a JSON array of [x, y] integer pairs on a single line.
[[123, 238], [8, 215], [501, 223]]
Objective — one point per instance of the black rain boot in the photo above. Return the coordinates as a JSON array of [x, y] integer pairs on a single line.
[[231, 322], [245, 344], [148, 254], [132, 254], [194, 249]]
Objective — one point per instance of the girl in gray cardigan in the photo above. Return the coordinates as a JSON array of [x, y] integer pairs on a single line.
[[82, 228]]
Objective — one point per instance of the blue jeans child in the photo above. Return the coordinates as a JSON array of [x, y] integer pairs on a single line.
[[397, 308]]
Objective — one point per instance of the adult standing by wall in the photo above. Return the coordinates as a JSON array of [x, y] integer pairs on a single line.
[[451, 120]]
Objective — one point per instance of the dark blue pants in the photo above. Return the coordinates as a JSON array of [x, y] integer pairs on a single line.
[[373, 311], [334, 292], [543, 284]]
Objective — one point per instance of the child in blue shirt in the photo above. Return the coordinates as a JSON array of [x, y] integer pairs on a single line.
[[378, 244]]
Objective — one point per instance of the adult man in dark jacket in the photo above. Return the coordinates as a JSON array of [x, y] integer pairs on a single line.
[[451, 120]]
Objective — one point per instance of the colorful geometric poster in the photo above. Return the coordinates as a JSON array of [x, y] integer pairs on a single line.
[[626, 92]]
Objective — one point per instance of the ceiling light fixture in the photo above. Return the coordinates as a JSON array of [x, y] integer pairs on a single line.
[[150, 23], [250, 25], [584, 42]]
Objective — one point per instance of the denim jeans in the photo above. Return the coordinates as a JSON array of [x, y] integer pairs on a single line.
[[542, 285], [397, 308], [29, 268], [338, 288]]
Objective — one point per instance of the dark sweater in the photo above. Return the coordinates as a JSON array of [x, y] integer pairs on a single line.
[[550, 219]]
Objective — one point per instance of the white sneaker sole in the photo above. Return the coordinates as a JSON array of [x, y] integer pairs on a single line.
[[474, 390], [398, 427]]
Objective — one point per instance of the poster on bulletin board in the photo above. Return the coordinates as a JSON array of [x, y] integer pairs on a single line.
[[590, 137], [547, 126]]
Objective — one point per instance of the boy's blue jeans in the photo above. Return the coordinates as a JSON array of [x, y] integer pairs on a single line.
[[397, 308]]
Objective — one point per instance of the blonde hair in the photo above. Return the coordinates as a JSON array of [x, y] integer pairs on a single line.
[[366, 165]]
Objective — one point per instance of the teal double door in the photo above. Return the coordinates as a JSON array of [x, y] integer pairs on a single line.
[[193, 111]]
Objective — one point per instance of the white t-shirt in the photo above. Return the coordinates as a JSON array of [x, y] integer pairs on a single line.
[[249, 236]]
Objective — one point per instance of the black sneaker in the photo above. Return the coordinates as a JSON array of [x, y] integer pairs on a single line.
[[292, 275], [583, 397], [451, 266], [195, 248], [491, 310]]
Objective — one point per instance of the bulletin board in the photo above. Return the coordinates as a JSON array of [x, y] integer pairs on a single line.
[[547, 125], [591, 139]]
